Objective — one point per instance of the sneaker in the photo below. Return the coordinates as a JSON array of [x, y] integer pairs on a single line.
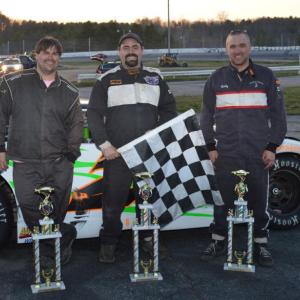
[[107, 253], [263, 255], [214, 249]]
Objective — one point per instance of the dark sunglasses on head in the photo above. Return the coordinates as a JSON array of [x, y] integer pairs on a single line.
[[237, 31]]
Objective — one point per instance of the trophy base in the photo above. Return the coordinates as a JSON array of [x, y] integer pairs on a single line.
[[42, 287], [139, 277], [239, 268], [145, 227], [46, 236]]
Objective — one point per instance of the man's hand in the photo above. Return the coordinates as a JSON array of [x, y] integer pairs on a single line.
[[213, 155], [110, 152], [3, 162], [268, 158]]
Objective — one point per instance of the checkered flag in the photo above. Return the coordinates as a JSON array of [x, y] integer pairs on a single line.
[[183, 176]]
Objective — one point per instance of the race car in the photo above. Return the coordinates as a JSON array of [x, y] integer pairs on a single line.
[[85, 211]]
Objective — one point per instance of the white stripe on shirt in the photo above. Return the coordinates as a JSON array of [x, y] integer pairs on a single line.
[[243, 99]]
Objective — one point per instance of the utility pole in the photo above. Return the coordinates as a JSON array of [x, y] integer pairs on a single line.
[[169, 30]]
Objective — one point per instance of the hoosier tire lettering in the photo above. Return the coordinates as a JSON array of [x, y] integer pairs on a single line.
[[284, 193]]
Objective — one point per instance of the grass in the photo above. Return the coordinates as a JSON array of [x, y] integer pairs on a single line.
[[192, 64], [202, 77], [91, 82], [291, 97], [79, 64], [292, 100], [184, 103], [214, 64], [292, 94]]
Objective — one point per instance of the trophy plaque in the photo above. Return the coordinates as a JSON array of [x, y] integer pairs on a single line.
[[46, 230], [150, 267], [240, 260]]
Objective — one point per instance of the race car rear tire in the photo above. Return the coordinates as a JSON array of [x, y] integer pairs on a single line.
[[284, 193], [6, 219]]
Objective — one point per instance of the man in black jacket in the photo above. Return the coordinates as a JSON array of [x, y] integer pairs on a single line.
[[45, 123], [125, 102], [245, 102]]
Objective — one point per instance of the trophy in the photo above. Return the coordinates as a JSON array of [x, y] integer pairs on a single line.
[[243, 260], [46, 230], [150, 267]]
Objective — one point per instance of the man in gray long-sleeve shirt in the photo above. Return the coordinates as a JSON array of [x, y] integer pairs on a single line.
[[245, 102], [45, 123]]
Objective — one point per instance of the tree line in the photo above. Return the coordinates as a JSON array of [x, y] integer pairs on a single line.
[[21, 36]]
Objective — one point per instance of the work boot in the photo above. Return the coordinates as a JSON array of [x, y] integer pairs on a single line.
[[107, 253], [263, 255], [69, 234], [214, 249]]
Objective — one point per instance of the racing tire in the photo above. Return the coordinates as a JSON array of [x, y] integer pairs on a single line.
[[6, 219], [284, 193]]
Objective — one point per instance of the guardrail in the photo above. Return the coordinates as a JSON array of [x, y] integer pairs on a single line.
[[190, 72]]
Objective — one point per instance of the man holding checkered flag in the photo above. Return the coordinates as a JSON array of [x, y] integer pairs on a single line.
[[125, 103]]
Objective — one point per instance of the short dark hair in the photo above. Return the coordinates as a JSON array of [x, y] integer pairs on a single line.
[[239, 31], [47, 42]]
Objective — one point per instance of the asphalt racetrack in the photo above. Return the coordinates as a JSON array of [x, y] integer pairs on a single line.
[[184, 275]]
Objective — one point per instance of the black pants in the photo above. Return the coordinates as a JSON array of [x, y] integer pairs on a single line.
[[57, 174], [257, 196], [117, 181]]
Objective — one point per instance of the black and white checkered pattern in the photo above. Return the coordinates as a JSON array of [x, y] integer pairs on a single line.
[[183, 176]]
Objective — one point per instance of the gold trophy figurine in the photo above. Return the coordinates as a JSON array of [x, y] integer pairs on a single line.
[[49, 230], [146, 223], [241, 209], [241, 188], [240, 215], [146, 265], [46, 208]]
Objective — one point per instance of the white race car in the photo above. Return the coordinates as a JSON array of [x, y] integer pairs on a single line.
[[85, 210]]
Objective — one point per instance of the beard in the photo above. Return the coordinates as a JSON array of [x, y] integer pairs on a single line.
[[131, 60], [46, 69], [240, 62]]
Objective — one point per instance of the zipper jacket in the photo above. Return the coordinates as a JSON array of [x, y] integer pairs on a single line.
[[124, 106], [44, 123], [247, 109]]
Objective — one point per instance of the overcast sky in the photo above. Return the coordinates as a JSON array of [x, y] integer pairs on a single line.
[[130, 10]]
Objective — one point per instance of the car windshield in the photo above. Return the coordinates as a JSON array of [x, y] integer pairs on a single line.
[[12, 61]]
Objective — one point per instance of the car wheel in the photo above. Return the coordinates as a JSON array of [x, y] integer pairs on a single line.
[[6, 219], [284, 193]]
